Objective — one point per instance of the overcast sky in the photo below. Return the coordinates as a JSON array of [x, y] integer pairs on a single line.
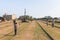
[[35, 8]]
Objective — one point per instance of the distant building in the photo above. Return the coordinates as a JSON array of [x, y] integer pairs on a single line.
[[1, 19], [9, 17], [49, 17]]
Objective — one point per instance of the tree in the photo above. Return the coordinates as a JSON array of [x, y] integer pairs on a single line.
[[26, 17], [55, 18]]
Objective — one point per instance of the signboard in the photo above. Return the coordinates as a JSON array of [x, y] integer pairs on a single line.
[[13, 16]]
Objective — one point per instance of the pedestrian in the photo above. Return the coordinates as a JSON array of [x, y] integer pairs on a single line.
[[52, 22], [47, 22], [15, 27]]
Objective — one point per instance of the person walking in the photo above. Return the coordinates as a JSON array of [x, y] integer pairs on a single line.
[[47, 22], [52, 22], [15, 27]]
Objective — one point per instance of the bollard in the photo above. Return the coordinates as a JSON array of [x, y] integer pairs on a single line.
[[15, 27]]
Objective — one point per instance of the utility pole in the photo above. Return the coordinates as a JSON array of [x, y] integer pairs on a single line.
[[24, 12]]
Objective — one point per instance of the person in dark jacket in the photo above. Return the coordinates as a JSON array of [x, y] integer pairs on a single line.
[[53, 23], [15, 27], [47, 22]]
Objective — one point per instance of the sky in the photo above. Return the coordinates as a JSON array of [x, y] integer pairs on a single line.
[[35, 8]]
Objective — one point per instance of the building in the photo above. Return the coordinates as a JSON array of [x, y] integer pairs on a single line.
[[9, 17], [1, 19]]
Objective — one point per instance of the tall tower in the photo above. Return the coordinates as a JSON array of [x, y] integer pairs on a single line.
[[24, 15], [24, 19], [24, 12]]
